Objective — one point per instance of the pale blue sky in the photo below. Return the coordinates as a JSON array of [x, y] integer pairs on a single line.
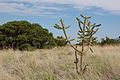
[[49, 12]]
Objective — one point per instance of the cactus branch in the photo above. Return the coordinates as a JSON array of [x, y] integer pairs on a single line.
[[69, 41]]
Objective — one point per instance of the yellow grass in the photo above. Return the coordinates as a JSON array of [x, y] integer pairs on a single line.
[[58, 64]]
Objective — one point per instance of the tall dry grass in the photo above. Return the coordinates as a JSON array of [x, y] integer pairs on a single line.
[[58, 64]]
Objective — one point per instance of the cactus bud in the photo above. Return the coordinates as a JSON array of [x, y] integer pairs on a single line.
[[67, 27], [62, 21]]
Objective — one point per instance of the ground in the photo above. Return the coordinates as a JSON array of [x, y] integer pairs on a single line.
[[58, 64]]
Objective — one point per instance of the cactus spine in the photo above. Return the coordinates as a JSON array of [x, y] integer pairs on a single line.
[[85, 37]]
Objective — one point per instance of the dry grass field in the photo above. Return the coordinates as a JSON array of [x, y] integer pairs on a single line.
[[58, 64]]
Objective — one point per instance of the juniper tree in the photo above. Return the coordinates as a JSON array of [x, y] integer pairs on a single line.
[[25, 36], [85, 37]]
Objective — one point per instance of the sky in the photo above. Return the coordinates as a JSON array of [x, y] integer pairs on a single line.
[[49, 12]]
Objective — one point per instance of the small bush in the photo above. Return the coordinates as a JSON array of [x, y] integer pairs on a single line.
[[108, 41], [60, 41]]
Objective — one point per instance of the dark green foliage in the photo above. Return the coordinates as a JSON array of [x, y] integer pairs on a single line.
[[60, 41], [108, 41], [24, 36]]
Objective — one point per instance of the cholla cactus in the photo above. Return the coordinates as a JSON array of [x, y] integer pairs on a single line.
[[86, 32]]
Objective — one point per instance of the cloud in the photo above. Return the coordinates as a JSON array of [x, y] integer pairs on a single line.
[[111, 6], [24, 9]]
